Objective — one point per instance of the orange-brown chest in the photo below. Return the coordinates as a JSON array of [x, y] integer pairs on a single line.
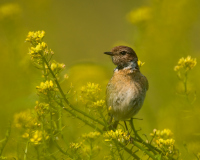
[[128, 78], [125, 93]]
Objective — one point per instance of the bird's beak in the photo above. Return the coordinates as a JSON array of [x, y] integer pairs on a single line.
[[109, 53]]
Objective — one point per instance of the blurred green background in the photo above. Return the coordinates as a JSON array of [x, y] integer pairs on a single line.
[[160, 31]]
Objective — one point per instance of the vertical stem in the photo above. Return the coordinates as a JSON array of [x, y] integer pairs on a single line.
[[60, 120], [120, 155], [127, 150], [5, 140], [38, 155], [149, 146], [26, 150], [185, 83]]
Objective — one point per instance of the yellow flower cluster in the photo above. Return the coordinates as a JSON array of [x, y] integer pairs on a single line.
[[100, 104], [185, 63], [167, 142], [41, 108], [166, 133], [91, 135], [37, 136], [45, 87], [25, 119], [139, 15], [39, 47], [37, 51], [57, 67], [9, 10], [140, 63], [75, 146], [163, 139], [118, 135], [35, 37], [90, 91]]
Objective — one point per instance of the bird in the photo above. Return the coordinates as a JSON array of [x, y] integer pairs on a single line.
[[126, 90]]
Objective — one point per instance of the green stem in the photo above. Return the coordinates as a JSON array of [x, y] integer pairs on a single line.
[[103, 117], [5, 140], [152, 148], [64, 97], [61, 150], [38, 155], [185, 83], [79, 117], [51, 118], [26, 150], [60, 121], [127, 150], [144, 150], [120, 155]]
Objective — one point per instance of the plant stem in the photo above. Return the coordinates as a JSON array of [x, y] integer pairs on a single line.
[[152, 148], [61, 150], [143, 149], [5, 140], [64, 97], [26, 150], [185, 83], [79, 117], [127, 150], [120, 155]]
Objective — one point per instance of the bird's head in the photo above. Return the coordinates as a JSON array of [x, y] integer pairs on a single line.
[[122, 56]]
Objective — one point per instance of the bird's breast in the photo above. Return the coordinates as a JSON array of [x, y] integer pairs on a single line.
[[125, 93]]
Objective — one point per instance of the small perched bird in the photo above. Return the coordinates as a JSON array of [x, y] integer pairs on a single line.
[[127, 88]]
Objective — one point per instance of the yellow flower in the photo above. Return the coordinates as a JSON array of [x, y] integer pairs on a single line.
[[25, 135], [9, 10], [139, 15], [187, 63], [34, 51], [162, 139], [57, 67], [118, 135], [41, 108], [25, 119], [90, 92], [38, 51], [75, 146], [91, 135], [35, 37], [109, 108], [45, 87], [166, 133], [99, 104], [140, 63], [37, 136]]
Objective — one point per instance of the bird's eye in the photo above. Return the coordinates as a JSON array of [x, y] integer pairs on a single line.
[[123, 52]]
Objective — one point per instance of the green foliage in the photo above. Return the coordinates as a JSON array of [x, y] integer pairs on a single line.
[[41, 129], [67, 121]]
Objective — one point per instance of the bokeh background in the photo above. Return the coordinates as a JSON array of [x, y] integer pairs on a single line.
[[160, 31]]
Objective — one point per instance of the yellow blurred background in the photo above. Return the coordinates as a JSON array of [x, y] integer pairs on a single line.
[[160, 31]]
